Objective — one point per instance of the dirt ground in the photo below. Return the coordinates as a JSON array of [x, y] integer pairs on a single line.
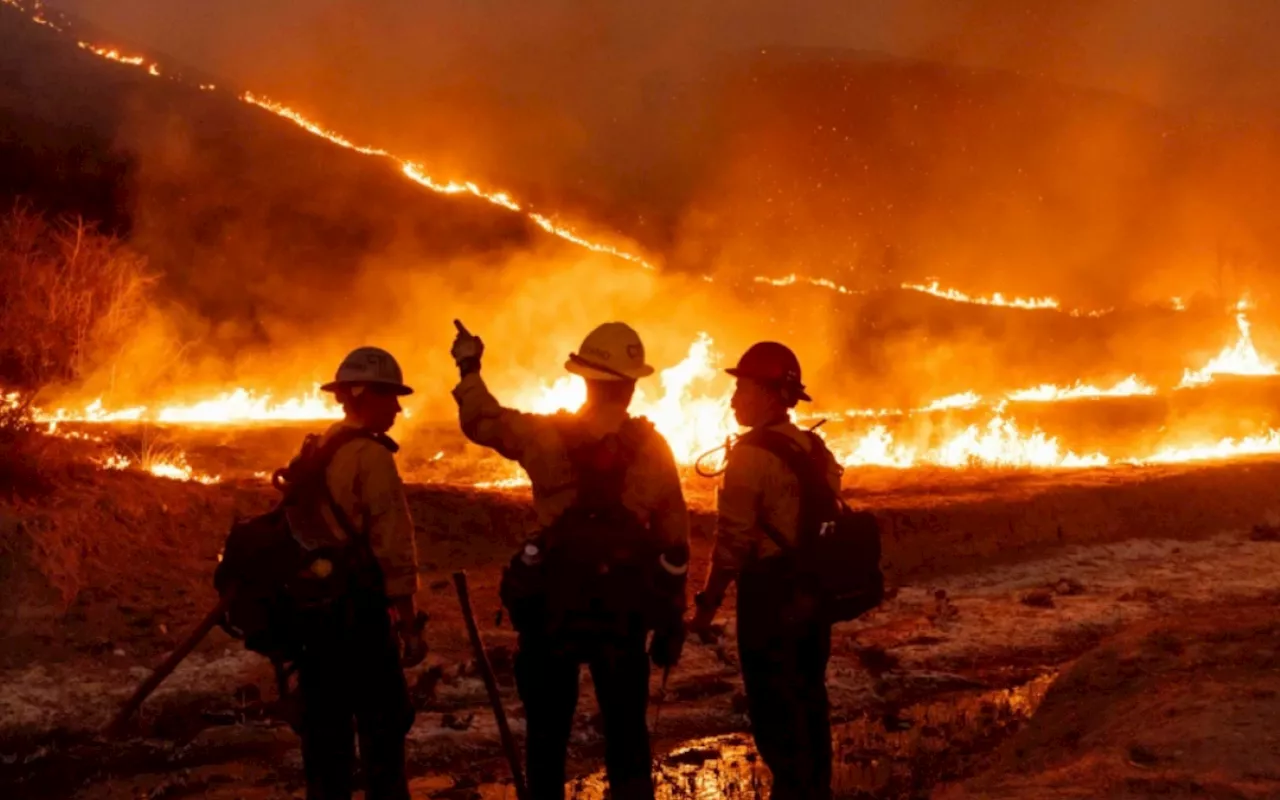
[[1174, 708], [1002, 579]]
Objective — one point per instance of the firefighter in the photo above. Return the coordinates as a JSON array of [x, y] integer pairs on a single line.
[[783, 643], [565, 598], [350, 671]]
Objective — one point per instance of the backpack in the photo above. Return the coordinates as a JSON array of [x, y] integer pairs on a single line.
[[592, 572], [837, 551], [278, 569]]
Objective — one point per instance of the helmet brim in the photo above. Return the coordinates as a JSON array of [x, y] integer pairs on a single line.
[[594, 372], [801, 394], [397, 389]]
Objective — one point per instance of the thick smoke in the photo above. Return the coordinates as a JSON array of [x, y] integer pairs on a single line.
[[1104, 152]]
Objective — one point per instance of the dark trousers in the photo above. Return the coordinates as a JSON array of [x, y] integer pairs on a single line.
[[352, 685], [784, 656], [547, 678]]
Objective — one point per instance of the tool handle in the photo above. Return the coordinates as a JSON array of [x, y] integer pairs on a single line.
[[491, 686], [163, 671]]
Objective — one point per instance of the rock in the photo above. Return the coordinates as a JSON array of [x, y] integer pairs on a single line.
[[943, 611], [455, 722], [1142, 756], [424, 689], [699, 688], [876, 659], [1040, 598], [892, 723], [1265, 533], [1143, 594], [248, 693], [724, 655], [1068, 586]]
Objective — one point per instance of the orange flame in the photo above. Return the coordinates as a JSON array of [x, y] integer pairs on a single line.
[[1225, 448], [416, 172], [697, 420], [1048, 392], [113, 54], [997, 443], [691, 421], [997, 299], [174, 467], [237, 406], [1240, 358], [792, 279]]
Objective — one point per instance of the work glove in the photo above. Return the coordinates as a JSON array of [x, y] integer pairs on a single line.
[[467, 350], [667, 645], [413, 642]]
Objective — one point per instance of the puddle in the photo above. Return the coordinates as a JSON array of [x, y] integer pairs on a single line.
[[947, 740]]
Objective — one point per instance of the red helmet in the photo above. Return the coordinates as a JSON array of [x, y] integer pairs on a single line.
[[771, 363]]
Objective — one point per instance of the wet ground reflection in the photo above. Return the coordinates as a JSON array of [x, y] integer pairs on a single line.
[[945, 741]]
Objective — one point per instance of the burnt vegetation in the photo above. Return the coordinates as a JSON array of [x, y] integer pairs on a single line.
[[70, 298]]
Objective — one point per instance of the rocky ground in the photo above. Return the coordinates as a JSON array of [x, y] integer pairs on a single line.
[[1003, 580]]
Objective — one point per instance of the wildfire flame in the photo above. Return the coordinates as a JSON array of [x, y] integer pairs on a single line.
[[998, 443], [792, 279], [412, 170], [1225, 448], [36, 12], [1239, 358], [1131, 386], [237, 406], [174, 467], [1048, 392], [961, 400], [997, 299], [417, 173], [690, 412], [517, 480], [691, 421]]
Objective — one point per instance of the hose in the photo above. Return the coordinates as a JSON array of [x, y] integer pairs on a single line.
[[729, 442], [707, 473]]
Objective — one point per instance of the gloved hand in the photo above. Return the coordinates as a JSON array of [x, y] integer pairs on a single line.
[[467, 350], [701, 624], [667, 645]]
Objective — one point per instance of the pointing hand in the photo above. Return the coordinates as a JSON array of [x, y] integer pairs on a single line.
[[467, 349]]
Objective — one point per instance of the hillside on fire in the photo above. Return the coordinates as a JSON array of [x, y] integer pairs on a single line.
[[1029, 291]]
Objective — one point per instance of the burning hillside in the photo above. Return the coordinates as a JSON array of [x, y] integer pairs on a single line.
[[971, 426], [690, 406]]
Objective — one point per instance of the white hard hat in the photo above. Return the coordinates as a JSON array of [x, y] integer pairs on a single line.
[[369, 366], [611, 352]]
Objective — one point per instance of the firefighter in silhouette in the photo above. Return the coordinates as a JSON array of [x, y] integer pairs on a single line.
[[784, 641], [350, 670], [606, 563]]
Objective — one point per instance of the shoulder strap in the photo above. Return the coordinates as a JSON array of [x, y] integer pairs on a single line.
[[600, 464], [804, 465], [635, 433], [324, 456]]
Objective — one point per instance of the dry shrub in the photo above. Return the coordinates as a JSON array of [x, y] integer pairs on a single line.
[[22, 450], [69, 298]]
